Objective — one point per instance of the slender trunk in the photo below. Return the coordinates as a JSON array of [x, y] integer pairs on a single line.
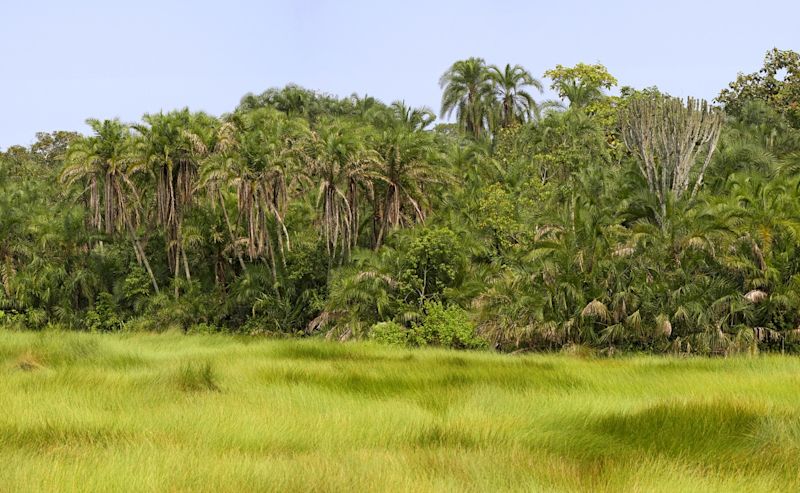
[[177, 270], [271, 255], [354, 216], [186, 266], [231, 231], [388, 212], [141, 255], [179, 246]]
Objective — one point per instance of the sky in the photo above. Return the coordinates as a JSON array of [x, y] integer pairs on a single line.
[[64, 61]]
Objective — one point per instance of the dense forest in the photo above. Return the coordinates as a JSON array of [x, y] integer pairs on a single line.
[[614, 219]]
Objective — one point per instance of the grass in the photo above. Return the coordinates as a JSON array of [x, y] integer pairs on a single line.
[[168, 412]]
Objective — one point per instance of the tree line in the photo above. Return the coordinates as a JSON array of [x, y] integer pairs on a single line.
[[636, 221]]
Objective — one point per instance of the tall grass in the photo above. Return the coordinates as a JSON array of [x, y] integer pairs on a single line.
[[82, 412]]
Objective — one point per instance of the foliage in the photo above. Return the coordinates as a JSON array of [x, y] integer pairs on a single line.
[[777, 84], [390, 333], [581, 84], [531, 224], [103, 317], [431, 266], [448, 327]]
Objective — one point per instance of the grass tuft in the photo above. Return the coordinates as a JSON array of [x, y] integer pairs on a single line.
[[197, 377], [697, 430]]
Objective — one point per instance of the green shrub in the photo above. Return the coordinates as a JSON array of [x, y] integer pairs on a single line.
[[203, 328], [103, 317], [136, 289], [14, 321], [447, 326], [390, 333], [433, 263]]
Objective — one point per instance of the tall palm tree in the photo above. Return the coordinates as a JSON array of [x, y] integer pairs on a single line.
[[13, 250], [258, 153], [342, 165], [105, 163], [406, 165], [172, 145], [467, 88], [516, 103]]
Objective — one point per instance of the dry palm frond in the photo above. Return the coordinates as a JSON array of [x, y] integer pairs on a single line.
[[320, 321], [226, 136], [764, 334], [550, 333], [756, 296], [566, 327], [682, 313], [596, 309], [698, 243], [663, 326], [196, 143], [634, 321], [623, 251], [546, 231], [371, 274], [341, 336]]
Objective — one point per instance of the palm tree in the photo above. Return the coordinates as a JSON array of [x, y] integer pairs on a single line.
[[412, 118], [467, 88], [362, 293], [172, 146], [258, 153], [105, 164], [342, 165], [406, 165], [14, 251], [516, 104], [364, 106], [580, 94]]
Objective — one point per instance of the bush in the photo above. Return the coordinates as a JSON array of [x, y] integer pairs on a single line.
[[390, 333], [204, 328], [103, 317], [447, 326], [433, 263]]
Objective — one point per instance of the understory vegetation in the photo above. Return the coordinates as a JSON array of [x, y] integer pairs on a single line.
[[599, 222], [170, 412]]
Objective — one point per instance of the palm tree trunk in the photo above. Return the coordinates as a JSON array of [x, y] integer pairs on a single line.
[[186, 266], [137, 247], [182, 248], [390, 213], [177, 270], [230, 231]]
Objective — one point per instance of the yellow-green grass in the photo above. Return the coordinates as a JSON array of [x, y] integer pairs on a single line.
[[82, 412]]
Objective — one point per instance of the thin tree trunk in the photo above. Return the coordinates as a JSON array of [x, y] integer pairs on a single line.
[[231, 232], [186, 265], [177, 270], [141, 255]]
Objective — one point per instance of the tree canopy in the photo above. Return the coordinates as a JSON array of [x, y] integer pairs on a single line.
[[636, 221]]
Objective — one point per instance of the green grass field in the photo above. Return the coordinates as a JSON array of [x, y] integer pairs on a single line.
[[82, 412]]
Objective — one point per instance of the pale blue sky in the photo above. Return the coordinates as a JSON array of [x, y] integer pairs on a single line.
[[64, 61]]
